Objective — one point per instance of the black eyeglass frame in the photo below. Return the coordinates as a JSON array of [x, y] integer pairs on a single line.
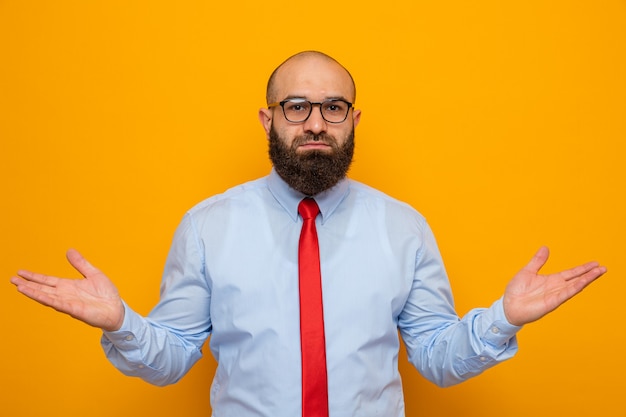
[[312, 103]]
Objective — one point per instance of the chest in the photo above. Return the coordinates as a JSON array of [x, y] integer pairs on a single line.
[[367, 273]]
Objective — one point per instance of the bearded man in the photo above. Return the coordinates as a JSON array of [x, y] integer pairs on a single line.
[[328, 344]]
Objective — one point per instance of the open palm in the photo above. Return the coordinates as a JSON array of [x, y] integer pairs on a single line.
[[93, 300], [530, 295]]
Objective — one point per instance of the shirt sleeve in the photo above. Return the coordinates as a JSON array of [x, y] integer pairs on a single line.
[[162, 347], [444, 348]]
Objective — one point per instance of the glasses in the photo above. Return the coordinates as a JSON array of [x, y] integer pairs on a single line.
[[298, 110]]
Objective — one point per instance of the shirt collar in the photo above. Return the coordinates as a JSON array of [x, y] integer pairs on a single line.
[[289, 198]]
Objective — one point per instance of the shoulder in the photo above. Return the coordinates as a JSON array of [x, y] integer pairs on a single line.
[[242, 194], [369, 196], [388, 212]]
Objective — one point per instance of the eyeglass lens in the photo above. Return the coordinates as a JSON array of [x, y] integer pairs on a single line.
[[333, 111]]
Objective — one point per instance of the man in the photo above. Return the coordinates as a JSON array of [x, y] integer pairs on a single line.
[[232, 274]]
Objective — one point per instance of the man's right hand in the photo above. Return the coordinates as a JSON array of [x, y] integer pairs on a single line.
[[93, 300]]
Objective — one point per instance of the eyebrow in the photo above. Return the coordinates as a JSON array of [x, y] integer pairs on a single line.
[[293, 96]]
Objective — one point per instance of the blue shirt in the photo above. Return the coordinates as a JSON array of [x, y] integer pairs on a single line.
[[232, 274]]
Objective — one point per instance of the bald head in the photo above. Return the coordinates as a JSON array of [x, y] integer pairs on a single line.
[[306, 61]]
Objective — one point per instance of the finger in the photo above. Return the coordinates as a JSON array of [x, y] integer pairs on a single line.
[[31, 287], [28, 276], [579, 271], [538, 260], [43, 294], [581, 281], [39, 287], [80, 263]]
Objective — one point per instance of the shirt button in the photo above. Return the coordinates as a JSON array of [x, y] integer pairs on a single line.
[[495, 330], [129, 338], [483, 359], [141, 366]]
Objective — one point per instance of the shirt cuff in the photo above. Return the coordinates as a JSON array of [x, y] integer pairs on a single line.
[[125, 338], [496, 329]]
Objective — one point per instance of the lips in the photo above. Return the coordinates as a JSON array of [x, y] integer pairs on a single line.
[[314, 141], [315, 146]]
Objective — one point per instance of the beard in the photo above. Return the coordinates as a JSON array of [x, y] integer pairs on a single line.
[[313, 171]]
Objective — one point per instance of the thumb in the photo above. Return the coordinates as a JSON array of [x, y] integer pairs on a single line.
[[80, 263], [539, 260]]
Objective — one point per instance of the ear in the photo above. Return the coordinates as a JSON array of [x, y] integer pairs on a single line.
[[265, 117], [356, 117]]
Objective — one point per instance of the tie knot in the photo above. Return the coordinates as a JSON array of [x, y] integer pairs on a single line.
[[308, 208]]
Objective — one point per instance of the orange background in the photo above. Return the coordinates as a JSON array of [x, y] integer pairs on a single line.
[[504, 123]]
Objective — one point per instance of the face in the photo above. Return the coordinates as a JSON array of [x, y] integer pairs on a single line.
[[313, 155]]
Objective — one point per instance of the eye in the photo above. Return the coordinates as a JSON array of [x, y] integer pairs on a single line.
[[297, 106], [335, 106]]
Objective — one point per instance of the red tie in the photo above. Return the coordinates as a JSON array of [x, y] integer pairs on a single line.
[[313, 346]]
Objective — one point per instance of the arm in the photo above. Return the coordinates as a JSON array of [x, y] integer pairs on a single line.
[[448, 350], [160, 348], [444, 348], [163, 346]]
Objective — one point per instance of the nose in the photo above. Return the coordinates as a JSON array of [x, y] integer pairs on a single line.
[[315, 124]]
